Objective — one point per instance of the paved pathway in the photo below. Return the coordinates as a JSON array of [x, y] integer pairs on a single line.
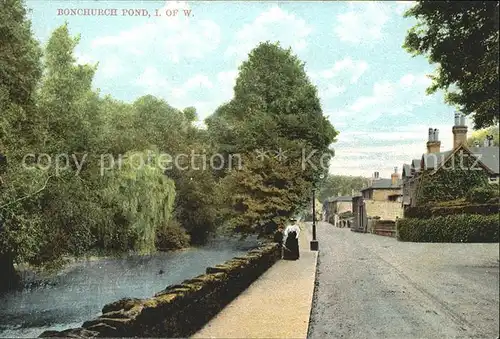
[[371, 286], [277, 305]]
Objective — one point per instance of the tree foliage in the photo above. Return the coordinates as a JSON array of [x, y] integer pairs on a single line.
[[479, 136], [83, 173], [462, 37], [47, 212], [333, 185], [274, 122], [453, 181]]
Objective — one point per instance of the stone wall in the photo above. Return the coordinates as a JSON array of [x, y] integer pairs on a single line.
[[179, 310], [383, 194], [386, 210]]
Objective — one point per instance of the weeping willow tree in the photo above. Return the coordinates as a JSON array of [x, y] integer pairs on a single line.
[[144, 197]]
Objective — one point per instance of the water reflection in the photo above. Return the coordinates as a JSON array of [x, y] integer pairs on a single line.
[[80, 293]]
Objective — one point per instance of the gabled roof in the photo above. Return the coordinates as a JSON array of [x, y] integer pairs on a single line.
[[488, 158], [434, 160], [406, 170], [344, 198], [415, 164], [383, 184]]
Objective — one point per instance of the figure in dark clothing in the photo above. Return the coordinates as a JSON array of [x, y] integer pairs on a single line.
[[278, 238], [291, 240]]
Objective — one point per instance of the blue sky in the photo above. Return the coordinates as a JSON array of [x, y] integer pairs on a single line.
[[371, 89]]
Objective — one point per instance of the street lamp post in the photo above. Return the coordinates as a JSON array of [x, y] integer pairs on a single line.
[[314, 246]]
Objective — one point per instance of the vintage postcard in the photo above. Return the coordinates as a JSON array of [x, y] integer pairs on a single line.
[[249, 169]]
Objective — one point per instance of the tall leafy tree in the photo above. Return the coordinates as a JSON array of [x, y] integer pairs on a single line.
[[462, 38], [275, 123], [20, 70]]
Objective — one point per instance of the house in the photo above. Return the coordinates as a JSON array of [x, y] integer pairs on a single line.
[[359, 223], [381, 200], [339, 210], [480, 159], [383, 197]]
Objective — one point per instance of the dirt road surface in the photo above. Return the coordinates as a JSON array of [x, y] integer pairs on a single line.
[[370, 286]]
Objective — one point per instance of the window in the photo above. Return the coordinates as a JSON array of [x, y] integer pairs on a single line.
[[493, 179]]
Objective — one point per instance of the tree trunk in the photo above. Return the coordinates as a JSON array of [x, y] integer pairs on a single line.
[[10, 278]]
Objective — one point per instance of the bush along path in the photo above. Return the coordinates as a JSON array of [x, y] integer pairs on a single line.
[[450, 228]]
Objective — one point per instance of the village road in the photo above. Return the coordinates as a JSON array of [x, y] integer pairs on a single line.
[[370, 286]]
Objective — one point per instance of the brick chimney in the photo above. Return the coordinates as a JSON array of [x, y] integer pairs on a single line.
[[459, 130], [394, 177], [433, 143]]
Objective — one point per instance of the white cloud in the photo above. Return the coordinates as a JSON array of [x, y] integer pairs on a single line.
[[109, 65], [402, 6], [409, 80], [353, 68], [382, 93], [176, 37], [363, 152], [226, 81], [363, 23], [152, 82], [181, 95], [82, 58], [388, 98], [332, 91], [274, 25]]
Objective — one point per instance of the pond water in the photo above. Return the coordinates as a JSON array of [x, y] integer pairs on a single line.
[[79, 293]]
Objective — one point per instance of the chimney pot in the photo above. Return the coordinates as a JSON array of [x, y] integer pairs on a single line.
[[394, 177], [430, 135], [462, 120], [436, 134]]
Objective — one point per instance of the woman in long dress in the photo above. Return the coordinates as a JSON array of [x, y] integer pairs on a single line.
[[291, 241]]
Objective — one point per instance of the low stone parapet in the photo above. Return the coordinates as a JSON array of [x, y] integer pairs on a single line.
[[179, 310]]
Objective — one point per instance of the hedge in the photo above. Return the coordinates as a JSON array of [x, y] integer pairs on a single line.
[[481, 194], [425, 212], [470, 228], [179, 310]]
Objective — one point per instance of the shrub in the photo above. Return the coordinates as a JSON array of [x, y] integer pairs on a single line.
[[425, 212], [171, 237], [481, 194], [450, 228]]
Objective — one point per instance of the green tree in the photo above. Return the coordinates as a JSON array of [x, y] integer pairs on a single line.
[[479, 136], [334, 185], [275, 110], [68, 118], [462, 37], [20, 71], [144, 196]]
